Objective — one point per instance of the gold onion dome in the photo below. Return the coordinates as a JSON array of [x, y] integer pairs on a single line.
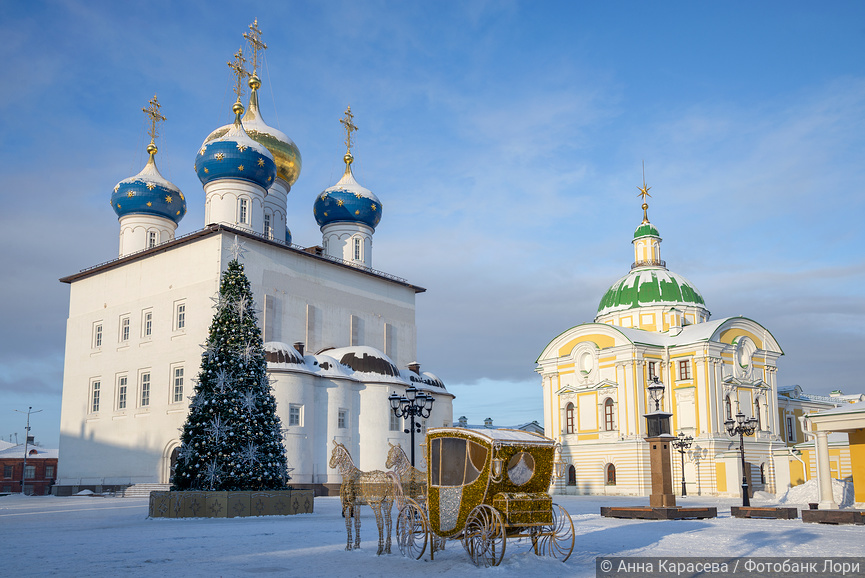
[[285, 152]]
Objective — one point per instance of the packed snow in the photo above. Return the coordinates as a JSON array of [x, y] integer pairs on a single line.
[[104, 536]]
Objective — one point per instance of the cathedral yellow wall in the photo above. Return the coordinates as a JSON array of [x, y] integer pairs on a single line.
[[857, 460], [729, 335], [721, 476], [602, 341], [797, 472]]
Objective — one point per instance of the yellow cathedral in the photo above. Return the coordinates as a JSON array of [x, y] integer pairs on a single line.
[[654, 323]]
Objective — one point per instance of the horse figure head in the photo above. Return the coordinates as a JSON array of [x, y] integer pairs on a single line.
[[395, 456], [339, 457]]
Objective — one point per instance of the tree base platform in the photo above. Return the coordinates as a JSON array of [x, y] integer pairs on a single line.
[[225, 504], [647, 513], [764, 513]]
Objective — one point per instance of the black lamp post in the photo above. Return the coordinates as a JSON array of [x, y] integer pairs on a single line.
[[742, 427], [681, 443], [413, 404]]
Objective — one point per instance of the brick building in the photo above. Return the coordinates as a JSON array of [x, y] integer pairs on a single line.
[[40, 472]]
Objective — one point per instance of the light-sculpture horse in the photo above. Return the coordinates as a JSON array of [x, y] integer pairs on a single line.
[[410, 483], [373, 488]]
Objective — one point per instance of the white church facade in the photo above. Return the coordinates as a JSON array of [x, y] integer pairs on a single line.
[[340, 336], [654, 323]]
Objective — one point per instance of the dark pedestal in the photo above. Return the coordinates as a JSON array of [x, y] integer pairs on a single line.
[[643, 513], [662, 472], [764, 513], [834, 517]]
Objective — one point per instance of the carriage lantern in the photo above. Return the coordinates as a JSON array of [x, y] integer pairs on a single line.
[[657, 422], [413, 404]]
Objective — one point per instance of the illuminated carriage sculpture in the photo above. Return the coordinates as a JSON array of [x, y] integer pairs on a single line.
[[485, 486]]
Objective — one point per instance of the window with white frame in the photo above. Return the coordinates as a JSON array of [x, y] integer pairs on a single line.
[[122, 386], [609, 413], [653, 370], [268, 225], [95, 387], [342, 419], [147, 324], [358, 249], [394, 422], [791, 431], [145, 390], [30, 472], [97, 335], [152, 239], [124, 328], [243, 211], [178, 385], [49, 472], [180, 316], [685, 369], [295, 415]]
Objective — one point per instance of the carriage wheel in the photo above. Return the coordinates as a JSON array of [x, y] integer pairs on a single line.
[[484, 536], [412, 530], [556, 540]]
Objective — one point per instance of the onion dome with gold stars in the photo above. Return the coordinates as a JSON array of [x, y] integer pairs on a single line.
[[347, 201], [287, 236], [149, 192], [285, 153], [235, 156]]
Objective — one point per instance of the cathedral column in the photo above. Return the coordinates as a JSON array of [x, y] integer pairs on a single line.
[[824, 474]]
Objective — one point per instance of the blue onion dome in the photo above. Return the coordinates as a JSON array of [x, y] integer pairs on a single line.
[[287, 236], [149, 193], [235, 156], [347, 201], [285, 153]]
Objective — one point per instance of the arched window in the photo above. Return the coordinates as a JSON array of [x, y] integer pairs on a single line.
[[572, 475], [358, 249], [243, 212], [608, 415], [268, 225], [728, 407], [757, 414], [763, 474], [610, 477], [151, 239], [569, 418]]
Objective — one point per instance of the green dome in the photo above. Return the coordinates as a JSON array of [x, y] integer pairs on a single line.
[[645, 230], [646, 287]]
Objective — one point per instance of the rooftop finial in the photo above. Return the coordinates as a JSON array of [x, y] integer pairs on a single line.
[[155, 117], [240, 72], [255, 43], [349, 128], [644, 192]]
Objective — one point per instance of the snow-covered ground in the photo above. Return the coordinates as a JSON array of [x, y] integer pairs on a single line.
[[95, 536]]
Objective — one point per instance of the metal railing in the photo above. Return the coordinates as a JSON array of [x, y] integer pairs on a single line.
[[650, 263]]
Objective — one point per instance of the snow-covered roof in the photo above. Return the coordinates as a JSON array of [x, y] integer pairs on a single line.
[[858, 407], [17, 452], [4, 445]]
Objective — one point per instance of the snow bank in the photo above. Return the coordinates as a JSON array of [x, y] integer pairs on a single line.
[[809, 493]]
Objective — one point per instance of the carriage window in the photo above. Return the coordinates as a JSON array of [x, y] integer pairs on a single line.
[[521, 468], [456, 461]]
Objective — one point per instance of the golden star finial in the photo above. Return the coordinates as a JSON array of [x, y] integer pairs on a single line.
[[255, 43], [155, 117], [644, 192]]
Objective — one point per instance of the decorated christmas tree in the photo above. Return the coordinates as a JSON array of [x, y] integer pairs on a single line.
[[232, 438]]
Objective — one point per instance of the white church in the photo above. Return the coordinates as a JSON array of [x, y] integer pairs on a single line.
[[340, 336]]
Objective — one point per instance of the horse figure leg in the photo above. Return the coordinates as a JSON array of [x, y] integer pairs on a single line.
[[387, 504], [356, 513], [347, 513]]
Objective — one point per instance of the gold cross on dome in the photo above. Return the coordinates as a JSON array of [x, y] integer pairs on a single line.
[[255, 43], [240, 71], [155, 117], [349, 128]]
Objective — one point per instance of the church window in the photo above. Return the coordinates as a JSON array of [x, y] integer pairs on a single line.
[[572, 475], [97, 335], [685, 369], [178, 385], [757, 414], [94, 396], [145, 389], [268, 226], [608, 415], [569, 418], [121, 391], [342, 419], [358, 249], [653, 370], [124, 329], [763, 474], [180, 316], [147, 324], [791, 431], [151, 239], [728, 407], [243, 212], [610, 477], [295, 415], [394, 422]]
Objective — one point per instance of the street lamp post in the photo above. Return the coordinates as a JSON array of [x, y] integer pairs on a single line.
[[414, 403], [681, 443], [742, 427], [26, 442]]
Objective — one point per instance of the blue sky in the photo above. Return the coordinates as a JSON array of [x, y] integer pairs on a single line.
[[505, 140]]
